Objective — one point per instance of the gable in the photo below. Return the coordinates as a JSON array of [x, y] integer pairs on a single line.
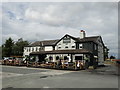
[[100, 41], [67, 39]]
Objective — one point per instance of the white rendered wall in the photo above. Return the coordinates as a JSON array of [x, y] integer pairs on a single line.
[[48, 48], [63, 45], [28, 50]]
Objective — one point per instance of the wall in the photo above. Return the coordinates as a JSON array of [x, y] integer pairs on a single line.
[[28, 50], [63, 45], [62, 56], [48, 48], [100, 52]]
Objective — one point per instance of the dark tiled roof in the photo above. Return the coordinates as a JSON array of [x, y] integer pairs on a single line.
[[74, 38], [53, 42], [44, 43], [74, 51], [87, 39]]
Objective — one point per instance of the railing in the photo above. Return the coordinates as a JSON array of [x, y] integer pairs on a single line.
[[54, 65]]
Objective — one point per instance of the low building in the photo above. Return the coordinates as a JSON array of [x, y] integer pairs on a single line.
[[68, 48]]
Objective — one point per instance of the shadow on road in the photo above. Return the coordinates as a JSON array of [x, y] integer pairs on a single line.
[[105, 70]]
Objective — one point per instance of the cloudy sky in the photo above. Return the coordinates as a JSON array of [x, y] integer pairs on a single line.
[[37, 21]]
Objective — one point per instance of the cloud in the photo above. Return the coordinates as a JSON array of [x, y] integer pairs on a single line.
[[32, 14], [40, 21], [13, 36]]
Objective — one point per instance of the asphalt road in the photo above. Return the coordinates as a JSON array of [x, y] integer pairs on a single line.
[[23, 77]]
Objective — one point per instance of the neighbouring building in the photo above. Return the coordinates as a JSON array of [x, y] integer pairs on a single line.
[[68, 48]]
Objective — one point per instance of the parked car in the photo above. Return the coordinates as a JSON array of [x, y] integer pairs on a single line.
[[11, 61], [19, 61], [8, 60]]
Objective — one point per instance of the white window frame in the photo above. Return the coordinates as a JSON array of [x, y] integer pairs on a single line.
[[80, 45]]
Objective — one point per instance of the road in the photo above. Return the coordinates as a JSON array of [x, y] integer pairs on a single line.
[[24, 77]]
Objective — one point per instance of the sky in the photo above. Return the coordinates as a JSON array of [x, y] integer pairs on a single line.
[[36, 21]]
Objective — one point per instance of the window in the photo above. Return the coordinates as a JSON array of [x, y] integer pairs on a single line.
[[66, 46], [59, 47], [50, 58], [78, 57], [39, 49], [57, 57], [36, 49], [80, 46], [65, 58], [33, 49], [73, 46], [29, 49]]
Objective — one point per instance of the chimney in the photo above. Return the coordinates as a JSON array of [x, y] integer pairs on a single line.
[[82, 34]]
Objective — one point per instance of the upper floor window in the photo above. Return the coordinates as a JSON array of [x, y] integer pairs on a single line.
[[73, 46], [26, 49], [33, 49], [29, 49], [66, 46], [36, 48], [41, 49], [59, 47], [80, 46]]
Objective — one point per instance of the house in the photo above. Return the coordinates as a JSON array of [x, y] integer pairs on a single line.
[[68, 48]]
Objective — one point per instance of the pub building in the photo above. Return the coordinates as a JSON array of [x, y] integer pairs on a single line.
[[68, 49]]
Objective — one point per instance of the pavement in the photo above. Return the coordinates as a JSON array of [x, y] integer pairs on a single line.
[[24, 77]]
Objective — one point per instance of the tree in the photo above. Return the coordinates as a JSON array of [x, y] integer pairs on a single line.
[[13, 49], [7, 48], [18, 47], [112, 57]]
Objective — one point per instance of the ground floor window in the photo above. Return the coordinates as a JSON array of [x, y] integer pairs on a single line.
[[57, 57], [65, 58], [50, 58], [78, 57]]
